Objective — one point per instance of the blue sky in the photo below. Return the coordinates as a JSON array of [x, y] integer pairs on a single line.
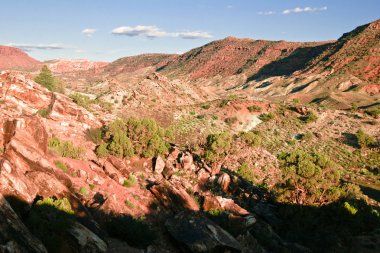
[[107, 30]]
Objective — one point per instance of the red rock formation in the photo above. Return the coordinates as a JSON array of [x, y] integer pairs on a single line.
[[231, 56], [14, 58]]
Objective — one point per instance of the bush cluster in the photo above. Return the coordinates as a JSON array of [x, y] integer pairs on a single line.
[[266, 117], [226, 101], [246, 172], [308, 178], [125, 138], [81, 100], [217, 146], [65, 148], [254, 108], [250, 138], [364, 140], [310, 117]]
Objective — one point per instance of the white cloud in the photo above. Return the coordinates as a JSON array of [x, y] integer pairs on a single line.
[[148, 31], [193, 35], [306, 9], [88, 32], [266, 13], [229, 7], [155, 32], [31, 47]]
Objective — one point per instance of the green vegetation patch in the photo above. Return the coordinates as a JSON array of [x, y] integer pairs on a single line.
[[65, 148], [125, 138]]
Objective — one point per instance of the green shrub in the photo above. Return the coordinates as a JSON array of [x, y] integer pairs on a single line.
[[44, 113], [310, 117], [104, 104], [374, 113], [226, 101], [206, 106], [254, 108], [311, 174], [246, 172], [364, 140], [81, 100], [143, 137], [131, 181], [217, 146], [250, 138], [307, 136], [83, 191], [266, 117], [61, 166], [45, 78], [230, 121], [65, 148], [94, 134], [101, 150], [216, 212], [129, 203], [296, 101]]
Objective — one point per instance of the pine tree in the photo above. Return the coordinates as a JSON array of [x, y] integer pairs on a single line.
[[45, 78]]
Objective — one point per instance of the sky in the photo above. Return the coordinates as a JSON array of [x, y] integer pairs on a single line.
[[105, 30]]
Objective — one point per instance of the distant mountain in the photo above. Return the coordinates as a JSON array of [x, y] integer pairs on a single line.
[[14, 58], [75, 65]]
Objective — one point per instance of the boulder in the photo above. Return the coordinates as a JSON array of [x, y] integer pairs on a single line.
[[187, 161], [174, 197], [14, 235], [159, 165], [231, 206], [210, 203], [199, 234], [224, 181], [169, 170]]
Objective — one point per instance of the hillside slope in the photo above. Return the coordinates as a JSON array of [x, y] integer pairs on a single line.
[[14, 58], [355, 53], [232, 56]]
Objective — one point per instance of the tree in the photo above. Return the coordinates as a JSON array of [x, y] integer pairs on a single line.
[[45, 78]]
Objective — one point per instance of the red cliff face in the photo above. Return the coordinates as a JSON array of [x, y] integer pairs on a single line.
[[14, 58]]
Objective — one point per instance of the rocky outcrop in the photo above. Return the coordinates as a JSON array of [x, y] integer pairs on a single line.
[[14, 236]]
